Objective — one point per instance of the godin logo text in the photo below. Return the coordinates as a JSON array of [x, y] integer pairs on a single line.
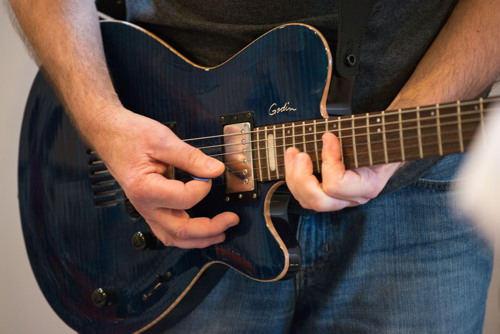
[[274, 109]]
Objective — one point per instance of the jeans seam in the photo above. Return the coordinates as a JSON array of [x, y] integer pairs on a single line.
[[433, 184]]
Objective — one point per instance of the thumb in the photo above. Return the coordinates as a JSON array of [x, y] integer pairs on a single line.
[[191, 160]]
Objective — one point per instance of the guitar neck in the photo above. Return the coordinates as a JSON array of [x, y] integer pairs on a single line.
[[373, 138]]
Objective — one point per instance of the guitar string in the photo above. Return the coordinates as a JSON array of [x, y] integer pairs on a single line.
[[325, 122], [363, 149], [373, 115], [348, 145], [350, 129], [378, 125], [364, 117], [396, 149], [362, 136], [377, 114], [219, 180]]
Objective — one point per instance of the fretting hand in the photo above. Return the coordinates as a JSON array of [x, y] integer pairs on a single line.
[[339, 188]]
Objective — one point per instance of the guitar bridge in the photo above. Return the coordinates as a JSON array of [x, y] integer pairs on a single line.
[[238, 156]]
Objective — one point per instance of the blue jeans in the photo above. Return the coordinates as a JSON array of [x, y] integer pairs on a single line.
[[402, 263]]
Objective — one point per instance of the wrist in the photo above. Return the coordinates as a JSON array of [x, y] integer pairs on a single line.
[[97, 119]]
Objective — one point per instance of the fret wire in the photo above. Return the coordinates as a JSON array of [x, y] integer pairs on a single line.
[[481, 115], [401, 139], [384, 138], [267, 153], [419, 134], [459, 122], [368, 139], [316, 148], [354, 143], [293, 134], [284, 140], [438, 122], [275, 152], [340, 139], [304, 136], [258, 154]]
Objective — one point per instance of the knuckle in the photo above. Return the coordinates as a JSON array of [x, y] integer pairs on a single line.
[[134, 189], [171, 239], [305, 204], [330, 189], [319, 206], [191, 155], [167, 241], [159, 233], [180, 233], [311, 203], [186, 200]]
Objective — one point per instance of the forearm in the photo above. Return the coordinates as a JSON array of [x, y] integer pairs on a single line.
[[463, 60], [65, 36]]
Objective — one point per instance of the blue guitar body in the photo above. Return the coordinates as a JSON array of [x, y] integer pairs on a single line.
[[77, 223]]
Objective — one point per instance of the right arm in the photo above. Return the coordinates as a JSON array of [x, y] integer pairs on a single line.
[[66, 38]]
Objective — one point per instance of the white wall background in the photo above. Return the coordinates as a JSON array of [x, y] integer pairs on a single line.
[[23, 309]]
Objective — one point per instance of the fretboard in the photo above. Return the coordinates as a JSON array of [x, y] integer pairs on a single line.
[[373, 138]]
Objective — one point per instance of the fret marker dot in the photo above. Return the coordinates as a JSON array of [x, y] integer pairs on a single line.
[[379, 130], [378, 120]]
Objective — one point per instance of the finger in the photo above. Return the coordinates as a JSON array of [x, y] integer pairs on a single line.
[[190, 159], [159, 191], [304, 185], [176, 228], [331, 157], [338, 182], [356, 185]]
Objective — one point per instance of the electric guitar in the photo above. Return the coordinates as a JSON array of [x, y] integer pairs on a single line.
[[95, 259]]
